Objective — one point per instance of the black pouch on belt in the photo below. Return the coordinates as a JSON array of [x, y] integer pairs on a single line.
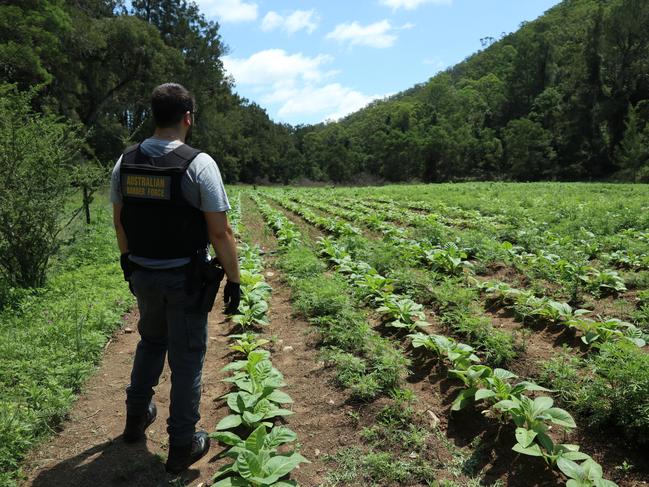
[[213, 275], [204, 278]]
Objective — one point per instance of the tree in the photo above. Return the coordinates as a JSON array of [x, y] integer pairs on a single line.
[[528, 150], [632, 154], [31, 34]]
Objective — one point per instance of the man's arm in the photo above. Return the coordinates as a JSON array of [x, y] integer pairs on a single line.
[[224, 243], [122, 241]]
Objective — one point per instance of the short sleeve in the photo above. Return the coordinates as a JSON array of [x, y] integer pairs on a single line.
[[115, 190], [212, 195]]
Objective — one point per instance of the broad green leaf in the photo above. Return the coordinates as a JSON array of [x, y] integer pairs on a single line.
[[281, 465], [232, 482], [604, 483], [248, 465], [230, 421], [592, 469], [570, 468], [575, 455], [543, 439], [504, 374], [525, 437], [463, 399], [237, 365], [277, 412], [278, 436], [245, 385], [506, 405], [531, 386], [484, 394], [541, 404], [256, 439], [561, 417], [235, 403], [227, 438], [279, 397], [252, 418], [533, 451]]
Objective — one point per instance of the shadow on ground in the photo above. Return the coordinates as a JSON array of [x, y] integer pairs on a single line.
[[112, 463]]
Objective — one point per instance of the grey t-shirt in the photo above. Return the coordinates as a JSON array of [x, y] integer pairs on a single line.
[[201, 185]]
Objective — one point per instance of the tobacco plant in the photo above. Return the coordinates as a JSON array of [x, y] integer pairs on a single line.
[[258, 396], [257, 461], [247, 342], [403, 313]]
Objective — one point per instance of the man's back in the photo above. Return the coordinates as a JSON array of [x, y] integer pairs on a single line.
[[202, 187]]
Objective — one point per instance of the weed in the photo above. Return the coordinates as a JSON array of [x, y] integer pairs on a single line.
[[320, 296]]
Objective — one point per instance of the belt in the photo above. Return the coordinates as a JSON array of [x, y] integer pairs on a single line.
[[138, 267]]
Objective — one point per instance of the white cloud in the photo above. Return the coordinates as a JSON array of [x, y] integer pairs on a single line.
[[296, 85], [229, 10], [379, 34], [296, 21], [333, 99], [275, 66], [412, 4], [271, 21]]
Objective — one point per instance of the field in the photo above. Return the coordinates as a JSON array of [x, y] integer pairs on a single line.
[[456, 334]]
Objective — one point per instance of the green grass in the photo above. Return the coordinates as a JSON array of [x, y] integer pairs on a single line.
[[52, 338]]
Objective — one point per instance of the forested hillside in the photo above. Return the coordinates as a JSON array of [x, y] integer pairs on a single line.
[[95, 63], [565, 97]]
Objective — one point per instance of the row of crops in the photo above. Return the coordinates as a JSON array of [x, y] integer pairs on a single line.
[[450, 257], [444, 246], [256, 446]]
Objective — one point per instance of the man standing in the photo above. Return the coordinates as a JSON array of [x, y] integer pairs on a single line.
[[169, 203]]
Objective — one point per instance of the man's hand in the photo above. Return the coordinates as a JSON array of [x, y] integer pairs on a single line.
[[232, 297]]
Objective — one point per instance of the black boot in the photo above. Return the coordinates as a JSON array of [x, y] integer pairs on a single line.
[[137, 424], [181, 457]]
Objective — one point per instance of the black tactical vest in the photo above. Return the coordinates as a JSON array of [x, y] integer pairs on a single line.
[[158, 221]]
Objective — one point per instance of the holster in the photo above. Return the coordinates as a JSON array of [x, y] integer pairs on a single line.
[[127, 268], [205, 279]]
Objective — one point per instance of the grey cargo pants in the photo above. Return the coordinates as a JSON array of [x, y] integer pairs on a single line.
[[168, 325]]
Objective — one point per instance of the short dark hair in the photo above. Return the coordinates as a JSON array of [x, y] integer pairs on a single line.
[[169, 103]]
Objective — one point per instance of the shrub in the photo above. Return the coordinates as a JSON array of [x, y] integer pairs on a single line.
[[39, 168]]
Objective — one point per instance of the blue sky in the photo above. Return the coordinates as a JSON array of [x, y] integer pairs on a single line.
[[309, 61]]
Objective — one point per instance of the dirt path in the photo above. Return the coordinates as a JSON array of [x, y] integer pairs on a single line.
[[88, 450]]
